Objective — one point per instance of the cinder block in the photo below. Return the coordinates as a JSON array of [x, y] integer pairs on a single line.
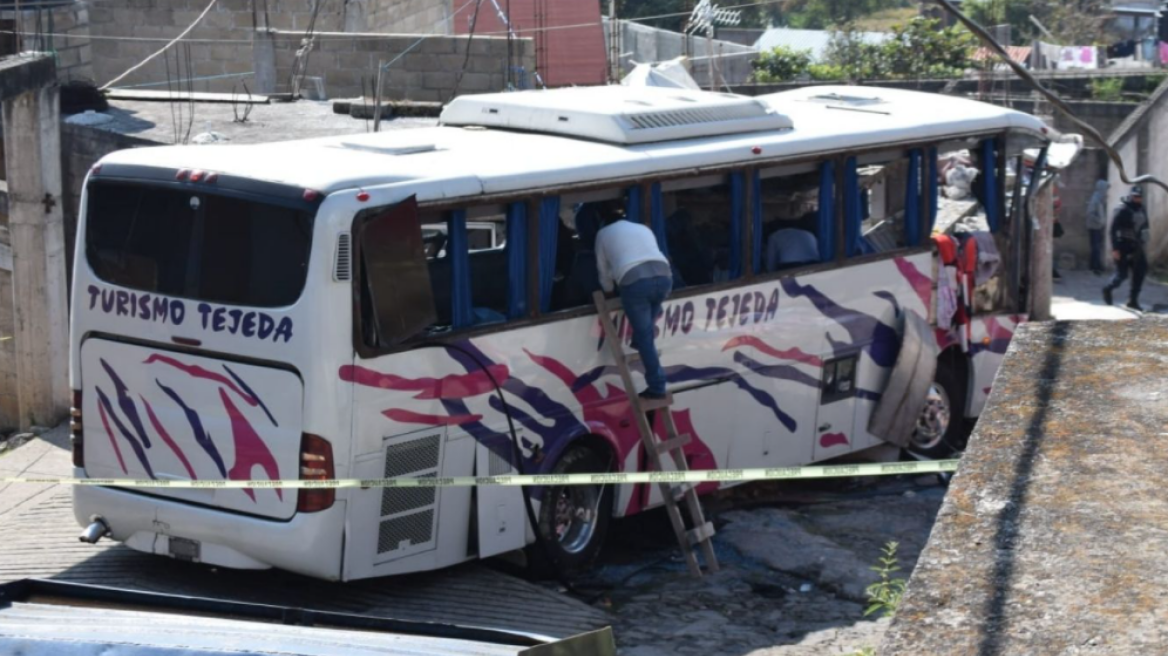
[[429, 95], [486, 64], [208, 67], [355, 61], [239, 64], [472, 82], [236, 5], [436, 45], [68, 57], [444, 81], [451, 63], [242, 20], [480, 48]]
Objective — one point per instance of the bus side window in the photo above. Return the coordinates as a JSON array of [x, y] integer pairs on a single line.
[[576, 275], [698, 227], [396, 298], [791, 223], [896, 209]]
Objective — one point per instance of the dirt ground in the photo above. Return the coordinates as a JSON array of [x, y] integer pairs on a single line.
[[795, 562]]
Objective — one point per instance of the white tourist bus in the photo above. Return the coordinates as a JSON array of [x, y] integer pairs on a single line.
[[313, 309]]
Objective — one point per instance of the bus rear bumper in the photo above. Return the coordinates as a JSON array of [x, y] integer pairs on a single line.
[[309, 543]]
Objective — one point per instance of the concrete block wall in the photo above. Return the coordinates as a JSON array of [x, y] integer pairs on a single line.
[[648, 44], [408, 16], [220, 45], [66, 34], [426, 73]]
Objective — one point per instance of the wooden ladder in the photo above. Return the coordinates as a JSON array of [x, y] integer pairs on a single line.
[[700, 532]]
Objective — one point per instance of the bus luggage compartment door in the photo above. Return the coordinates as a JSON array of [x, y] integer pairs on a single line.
[[150, 413]]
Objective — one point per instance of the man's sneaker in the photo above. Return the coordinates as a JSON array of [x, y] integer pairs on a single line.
[[1107, 295], [651, 396], [1134, 305]]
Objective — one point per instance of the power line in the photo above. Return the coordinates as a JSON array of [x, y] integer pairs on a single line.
[[164, 48]]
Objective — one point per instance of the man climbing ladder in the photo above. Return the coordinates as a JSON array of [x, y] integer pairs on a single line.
[[627, 256]]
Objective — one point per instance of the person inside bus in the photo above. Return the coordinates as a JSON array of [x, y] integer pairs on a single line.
[[694, 263], [628, 257], [582, 279], [791, 247]]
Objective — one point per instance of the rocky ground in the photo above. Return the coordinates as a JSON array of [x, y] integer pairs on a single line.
[[795, 562]]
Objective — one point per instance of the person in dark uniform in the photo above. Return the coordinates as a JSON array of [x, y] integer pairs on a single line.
[[1129, 237]]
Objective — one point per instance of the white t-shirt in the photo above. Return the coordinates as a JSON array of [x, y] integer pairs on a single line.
[[622, 246]]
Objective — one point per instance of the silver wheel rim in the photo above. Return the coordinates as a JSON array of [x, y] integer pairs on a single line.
[[575, 516], [934, 420]]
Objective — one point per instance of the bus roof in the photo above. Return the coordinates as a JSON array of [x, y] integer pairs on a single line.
[[447, 162]]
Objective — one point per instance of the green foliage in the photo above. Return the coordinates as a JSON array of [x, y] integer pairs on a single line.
[[781, 64], [884, 595], [1071, 22], [922, 48], [1015, 13], [1153, 81], [916, 49], [822, 14], [826, 72], [1107, 89]]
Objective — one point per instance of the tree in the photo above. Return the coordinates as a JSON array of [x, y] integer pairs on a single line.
[[823, 14], [1070, 22], [781, 64], [918, 48], [922, 48]]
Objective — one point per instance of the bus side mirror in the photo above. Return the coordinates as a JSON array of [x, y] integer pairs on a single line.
[[396, 299]]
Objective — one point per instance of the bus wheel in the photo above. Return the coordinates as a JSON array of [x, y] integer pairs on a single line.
[[573, 519], [941, 428]]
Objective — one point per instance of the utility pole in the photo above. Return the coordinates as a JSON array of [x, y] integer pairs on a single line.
[[613, 44]]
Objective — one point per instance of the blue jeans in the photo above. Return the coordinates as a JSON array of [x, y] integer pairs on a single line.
[[642, 304], [1096, 249]]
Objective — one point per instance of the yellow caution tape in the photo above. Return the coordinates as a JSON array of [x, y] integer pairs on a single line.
[[700, 476]]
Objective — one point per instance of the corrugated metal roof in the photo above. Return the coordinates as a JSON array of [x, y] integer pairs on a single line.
[[814, 40], [50, 618]]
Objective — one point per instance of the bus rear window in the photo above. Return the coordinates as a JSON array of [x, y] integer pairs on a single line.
[[197, 245]]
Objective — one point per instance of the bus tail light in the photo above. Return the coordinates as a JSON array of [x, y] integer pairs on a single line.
[[316, 464], [77, 431]]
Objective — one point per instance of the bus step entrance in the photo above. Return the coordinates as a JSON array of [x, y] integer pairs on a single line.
[[698, 533]]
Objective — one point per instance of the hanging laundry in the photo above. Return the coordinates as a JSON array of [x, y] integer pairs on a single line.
[[1048, 56], [1148, 49], [1121, 49], [1078, 57], [1163, 52]]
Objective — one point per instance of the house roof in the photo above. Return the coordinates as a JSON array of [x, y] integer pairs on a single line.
[[814, 40]]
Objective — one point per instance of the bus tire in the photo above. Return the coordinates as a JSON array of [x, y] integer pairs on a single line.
[[941, 429], [573, 519]]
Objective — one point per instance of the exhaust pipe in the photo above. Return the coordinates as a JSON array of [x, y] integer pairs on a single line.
[[97, 530]]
